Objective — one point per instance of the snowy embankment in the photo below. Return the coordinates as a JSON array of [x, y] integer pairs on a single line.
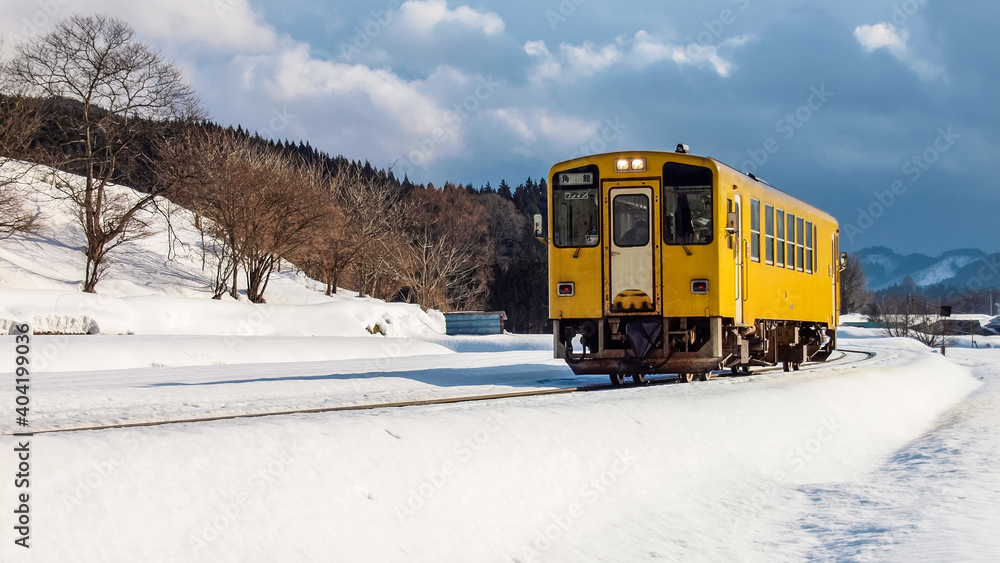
[[160, 286], [733, 469]]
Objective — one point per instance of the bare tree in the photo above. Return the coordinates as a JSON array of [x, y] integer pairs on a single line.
[[853, 295], [367, 214], [446, 263], [910, 316], [184, 163], [261, 205], [377, 271], [896, 314], [120, 91], [291, 209], [19, 120]]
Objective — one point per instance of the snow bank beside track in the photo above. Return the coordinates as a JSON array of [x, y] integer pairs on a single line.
[[51, 311], [704, 471], [58, 354]]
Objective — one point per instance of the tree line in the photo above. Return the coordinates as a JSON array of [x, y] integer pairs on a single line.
[[90, 99]]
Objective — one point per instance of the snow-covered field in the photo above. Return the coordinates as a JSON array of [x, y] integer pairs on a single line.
[[895, 458]]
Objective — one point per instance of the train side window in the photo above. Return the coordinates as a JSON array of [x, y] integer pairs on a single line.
[[755, 230], [687, 204], [815, 243], [790, 233], [780, 242], [799, 247], [769, 234], [809, 247]]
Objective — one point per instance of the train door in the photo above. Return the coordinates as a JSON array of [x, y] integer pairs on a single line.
[[835, 275], [737, 226], [631, 245]]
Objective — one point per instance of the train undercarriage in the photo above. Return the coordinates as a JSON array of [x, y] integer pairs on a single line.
[[692, 347]]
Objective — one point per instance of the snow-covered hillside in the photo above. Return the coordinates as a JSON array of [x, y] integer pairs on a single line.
[[161, 285], [885, 268]]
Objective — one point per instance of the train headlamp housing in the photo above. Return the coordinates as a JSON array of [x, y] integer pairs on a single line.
[[630, 165], [566, 289]]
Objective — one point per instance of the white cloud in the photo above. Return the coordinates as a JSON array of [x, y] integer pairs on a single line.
[[648, 51], [641, 51], [589, 58], [881, 35], [885, 35], [299, 75], [222, 24], [424, 15], [539, 126], [547, 67], [514, 121]]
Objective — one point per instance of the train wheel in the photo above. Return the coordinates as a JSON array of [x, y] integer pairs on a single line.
[[795, 367], [618, 379], [639, 378], [685, 377], [705, 376]]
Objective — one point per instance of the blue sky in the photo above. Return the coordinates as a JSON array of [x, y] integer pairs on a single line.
[[883, 112]]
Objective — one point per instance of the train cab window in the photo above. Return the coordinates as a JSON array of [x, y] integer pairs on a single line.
[[790, 234], [575, 213], [755, 230], [687, 204], [779, 224], [631, 219]]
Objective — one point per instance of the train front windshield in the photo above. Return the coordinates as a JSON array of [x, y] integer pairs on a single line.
[[687, 204], [575, 214]]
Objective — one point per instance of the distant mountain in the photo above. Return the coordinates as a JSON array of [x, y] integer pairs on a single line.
[[885, 268]]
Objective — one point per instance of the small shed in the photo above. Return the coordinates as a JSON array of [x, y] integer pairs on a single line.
[[474, 322]]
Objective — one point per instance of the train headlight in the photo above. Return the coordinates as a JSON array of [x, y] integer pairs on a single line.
[[566, 289], [630, 165], [699, 287]]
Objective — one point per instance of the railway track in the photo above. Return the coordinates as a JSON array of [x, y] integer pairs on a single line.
[[845, 358]]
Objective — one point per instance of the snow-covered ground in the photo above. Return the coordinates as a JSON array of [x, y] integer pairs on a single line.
[[895, 458]]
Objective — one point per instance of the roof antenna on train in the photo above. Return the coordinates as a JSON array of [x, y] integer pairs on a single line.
[[682, 148]]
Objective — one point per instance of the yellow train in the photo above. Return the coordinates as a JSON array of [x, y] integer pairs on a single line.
[[665, 262]]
